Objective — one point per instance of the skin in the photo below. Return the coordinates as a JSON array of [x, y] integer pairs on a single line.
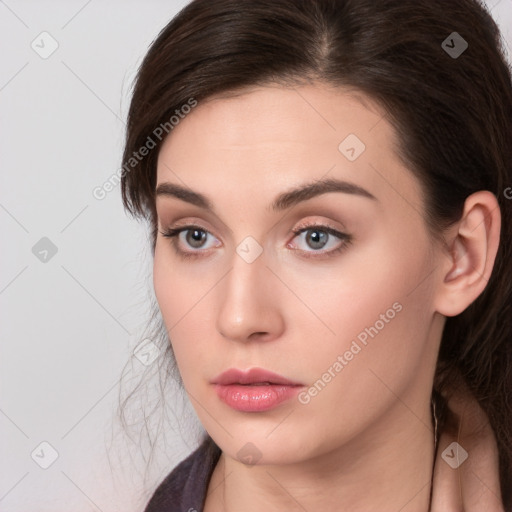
[[366, 439], [474, 485]]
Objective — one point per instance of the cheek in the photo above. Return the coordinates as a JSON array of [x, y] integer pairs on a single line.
[[177, 298], [380, 310], [364, 283]]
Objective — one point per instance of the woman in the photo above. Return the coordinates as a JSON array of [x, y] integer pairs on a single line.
[[326, 185]]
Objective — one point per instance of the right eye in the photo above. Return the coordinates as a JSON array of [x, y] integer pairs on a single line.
[[190, 236]]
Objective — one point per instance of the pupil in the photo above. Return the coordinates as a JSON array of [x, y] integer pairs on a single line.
[[316, 238], [197, 236]]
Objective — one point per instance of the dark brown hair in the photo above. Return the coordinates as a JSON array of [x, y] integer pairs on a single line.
[[452, 115]]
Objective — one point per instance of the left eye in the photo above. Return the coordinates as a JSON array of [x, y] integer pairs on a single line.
[[321, 237]]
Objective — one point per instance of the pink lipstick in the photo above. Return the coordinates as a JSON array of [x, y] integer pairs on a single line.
[[256, 390]]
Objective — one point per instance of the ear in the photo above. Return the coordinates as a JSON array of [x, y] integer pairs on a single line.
[[472, 245]]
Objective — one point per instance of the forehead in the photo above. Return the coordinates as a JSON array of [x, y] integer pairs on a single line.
[[271, 138], [307, 114]]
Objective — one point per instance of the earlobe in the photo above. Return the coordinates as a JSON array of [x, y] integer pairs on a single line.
[[472, 252]]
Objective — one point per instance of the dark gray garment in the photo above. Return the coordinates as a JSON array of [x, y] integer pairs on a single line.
[[184, 489]]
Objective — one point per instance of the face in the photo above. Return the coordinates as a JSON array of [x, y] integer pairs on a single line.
[[327, 287]]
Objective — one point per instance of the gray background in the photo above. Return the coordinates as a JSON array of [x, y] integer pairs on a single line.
[[71, 320]]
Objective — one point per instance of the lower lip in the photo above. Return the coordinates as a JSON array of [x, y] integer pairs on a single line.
[[255, 398]]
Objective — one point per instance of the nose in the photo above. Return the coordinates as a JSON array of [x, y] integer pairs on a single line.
[[249, 302]]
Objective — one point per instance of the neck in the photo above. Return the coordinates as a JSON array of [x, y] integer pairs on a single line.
[[386, 468]]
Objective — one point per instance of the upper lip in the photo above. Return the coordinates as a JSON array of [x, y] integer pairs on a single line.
[[252, 376]]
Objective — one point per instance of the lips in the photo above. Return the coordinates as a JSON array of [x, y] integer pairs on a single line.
[[252, 377], [255, 390]]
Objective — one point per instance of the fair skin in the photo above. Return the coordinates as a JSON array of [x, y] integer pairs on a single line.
[[366, 439], [474, 486]]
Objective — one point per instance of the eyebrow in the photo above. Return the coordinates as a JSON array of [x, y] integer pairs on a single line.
[[282, 202]]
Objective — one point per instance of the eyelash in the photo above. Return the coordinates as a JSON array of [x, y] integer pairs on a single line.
[[173, 233]]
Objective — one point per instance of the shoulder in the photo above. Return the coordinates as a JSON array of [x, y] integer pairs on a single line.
[[185, 487]]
